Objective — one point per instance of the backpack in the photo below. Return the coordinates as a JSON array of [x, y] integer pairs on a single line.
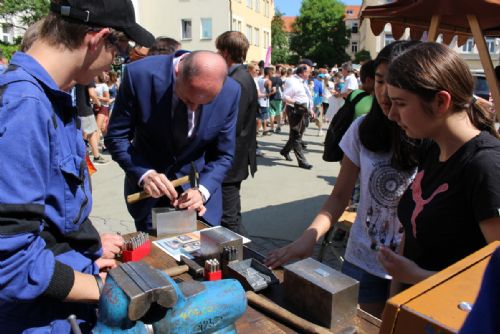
[[338, 127]]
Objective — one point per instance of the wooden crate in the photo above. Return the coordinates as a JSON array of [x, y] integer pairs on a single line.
[[431, 306]]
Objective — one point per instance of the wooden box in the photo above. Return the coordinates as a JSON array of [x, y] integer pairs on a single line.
[[431, 306]]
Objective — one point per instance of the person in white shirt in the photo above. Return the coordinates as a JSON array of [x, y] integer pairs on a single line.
[[350, 81], [299, 104]]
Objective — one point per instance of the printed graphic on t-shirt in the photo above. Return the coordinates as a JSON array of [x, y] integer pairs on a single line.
[[386, 185], [420, 202]]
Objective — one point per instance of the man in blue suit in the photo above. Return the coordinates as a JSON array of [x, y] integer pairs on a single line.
[[171, 111]]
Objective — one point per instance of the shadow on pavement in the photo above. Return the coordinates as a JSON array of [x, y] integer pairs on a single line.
[[284, 221]]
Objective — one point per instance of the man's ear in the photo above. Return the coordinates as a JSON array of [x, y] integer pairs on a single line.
[[94, 38], [442, 101]]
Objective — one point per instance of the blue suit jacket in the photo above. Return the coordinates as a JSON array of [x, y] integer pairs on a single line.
[[140, 135]]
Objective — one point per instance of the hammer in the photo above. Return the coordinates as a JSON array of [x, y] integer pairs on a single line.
[[192, 178]]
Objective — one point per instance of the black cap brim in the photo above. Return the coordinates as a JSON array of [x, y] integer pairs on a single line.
[[139, 35]]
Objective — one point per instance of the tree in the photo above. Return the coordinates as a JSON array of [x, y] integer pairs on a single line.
[[28, 11], [320, 32], [279, 40], [362, 56]]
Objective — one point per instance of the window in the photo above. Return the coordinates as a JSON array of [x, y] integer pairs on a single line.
[[206, 28], [354, 28], [388, 39], [266, 8], [249, 33], [354, 47], [267, 39], [257, 6], [256, 37], [249, 3], [468, 46], [490, 45], [6, 28], [236, 25], [186, 29], [349, 12]]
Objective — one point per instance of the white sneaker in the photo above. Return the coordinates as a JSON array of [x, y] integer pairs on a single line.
[[320, 132]]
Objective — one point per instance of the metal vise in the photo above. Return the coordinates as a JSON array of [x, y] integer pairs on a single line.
[[134, 290]]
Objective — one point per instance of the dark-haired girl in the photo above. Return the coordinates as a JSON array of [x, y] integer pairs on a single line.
[[377, 151], [452, 207]]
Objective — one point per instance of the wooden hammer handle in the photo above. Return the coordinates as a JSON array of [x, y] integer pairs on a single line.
[[176, 271], [285, 315], [133, 198]]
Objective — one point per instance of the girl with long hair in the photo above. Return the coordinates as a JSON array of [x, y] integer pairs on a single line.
[[452, 207], [376, 150]]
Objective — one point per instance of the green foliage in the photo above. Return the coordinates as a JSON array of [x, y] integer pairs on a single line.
[[279, 40], [320, 33], [362, 56], [8, 50], [28, 11]]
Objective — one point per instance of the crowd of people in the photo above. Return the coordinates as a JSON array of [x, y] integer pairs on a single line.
[[422, 152]]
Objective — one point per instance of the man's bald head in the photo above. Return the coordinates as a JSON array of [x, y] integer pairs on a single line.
[[200, 78]]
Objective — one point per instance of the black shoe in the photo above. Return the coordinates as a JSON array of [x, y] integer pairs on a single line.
[[278, 130], [286, 156], [304, 146], [305, 166]]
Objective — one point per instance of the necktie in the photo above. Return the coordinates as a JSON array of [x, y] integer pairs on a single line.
[[180, 129]]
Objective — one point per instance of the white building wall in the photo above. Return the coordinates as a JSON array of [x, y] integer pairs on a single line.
[[164, 17]]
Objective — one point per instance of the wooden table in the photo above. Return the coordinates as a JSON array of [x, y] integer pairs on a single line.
[[254, 321]]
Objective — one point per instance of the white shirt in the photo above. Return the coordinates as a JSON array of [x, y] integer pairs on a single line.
[[381, 187], [350, 82], [297, 90]]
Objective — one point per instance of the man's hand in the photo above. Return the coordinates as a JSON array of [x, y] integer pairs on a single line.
[[157, 185], [111, 245], [400, 268], [191, 199]]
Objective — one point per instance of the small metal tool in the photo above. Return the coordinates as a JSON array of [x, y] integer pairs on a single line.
[[74, 325]]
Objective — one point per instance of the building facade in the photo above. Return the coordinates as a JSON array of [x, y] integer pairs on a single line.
[[351, 20], [197, 23]]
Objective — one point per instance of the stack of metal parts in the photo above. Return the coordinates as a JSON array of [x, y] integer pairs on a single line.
[[229, 254], [136, 241], [212, 265], [252, 274], [212, 270]]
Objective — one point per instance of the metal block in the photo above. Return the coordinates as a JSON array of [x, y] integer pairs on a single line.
[[214, 240], [169, 221], [321, 294]]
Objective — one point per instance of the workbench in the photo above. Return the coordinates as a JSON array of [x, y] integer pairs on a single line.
[[254, 321]]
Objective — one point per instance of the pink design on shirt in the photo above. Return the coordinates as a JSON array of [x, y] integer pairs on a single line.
[[419, 201]]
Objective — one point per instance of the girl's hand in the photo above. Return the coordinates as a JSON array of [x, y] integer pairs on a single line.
[[401, 268], [293, 251]]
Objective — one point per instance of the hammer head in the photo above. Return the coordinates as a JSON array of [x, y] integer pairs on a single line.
[[194, 177]]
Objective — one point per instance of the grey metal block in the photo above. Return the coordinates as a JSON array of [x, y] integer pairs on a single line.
[[168, 221], [214, 240], [321, 294]]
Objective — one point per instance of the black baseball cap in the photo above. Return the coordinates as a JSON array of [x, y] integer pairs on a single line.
[[307, 62], [116, 14]]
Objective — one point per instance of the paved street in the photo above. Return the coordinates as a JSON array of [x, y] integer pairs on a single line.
[[277, 204]]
